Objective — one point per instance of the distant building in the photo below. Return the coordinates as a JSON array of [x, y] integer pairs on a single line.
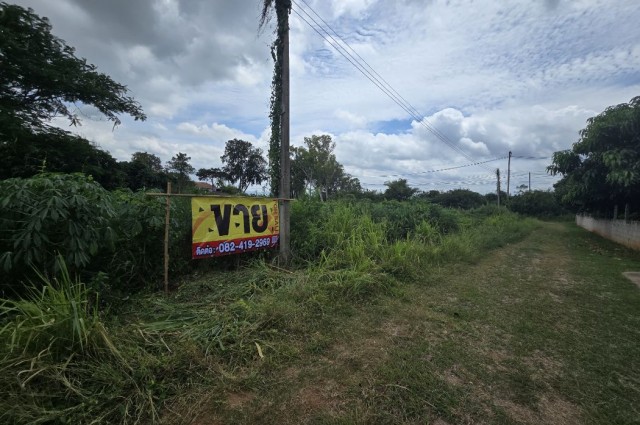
[[205, 186]]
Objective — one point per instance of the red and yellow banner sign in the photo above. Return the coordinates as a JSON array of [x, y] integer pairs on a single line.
[[223, 226]]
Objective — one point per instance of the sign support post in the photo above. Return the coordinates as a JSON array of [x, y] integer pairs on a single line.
[[166, 239]]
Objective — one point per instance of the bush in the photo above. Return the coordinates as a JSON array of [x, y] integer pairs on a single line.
[[138, 227], [115, 238], [403, 218], [538, 203], [49, 214]]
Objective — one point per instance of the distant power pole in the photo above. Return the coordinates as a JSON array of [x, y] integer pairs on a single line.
[[529, 181], [285, 166], [508, 174], [498, 191]]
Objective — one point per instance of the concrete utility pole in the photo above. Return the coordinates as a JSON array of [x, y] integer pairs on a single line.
[[498, 190], [508, 174], [529, 181], [285, 166]]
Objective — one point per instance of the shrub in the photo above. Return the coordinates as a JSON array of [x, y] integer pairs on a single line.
[[114, 237], [49, 214], [538, 203], [402, 218]]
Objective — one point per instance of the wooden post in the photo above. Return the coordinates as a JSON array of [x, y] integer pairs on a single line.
[[166, 239], [285, 167], [509, 175]]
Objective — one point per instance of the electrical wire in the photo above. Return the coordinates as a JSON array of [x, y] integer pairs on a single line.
[[385, 87], [375, 78], [418, 173]]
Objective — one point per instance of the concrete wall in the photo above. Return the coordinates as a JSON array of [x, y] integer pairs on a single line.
[[625, 233]]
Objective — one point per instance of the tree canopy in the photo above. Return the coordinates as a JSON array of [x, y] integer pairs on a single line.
[[315, 167], [399, 190], [602, 169], [144, 171], [216, 176], [538, 203], [181, 168], [41, 79], [243, 163], [460, 198]]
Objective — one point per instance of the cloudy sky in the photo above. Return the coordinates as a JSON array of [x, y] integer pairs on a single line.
[[490, 76]]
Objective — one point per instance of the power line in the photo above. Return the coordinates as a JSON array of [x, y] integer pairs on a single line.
[[385, 87], [380, 77], [417, 173], [531, 157]]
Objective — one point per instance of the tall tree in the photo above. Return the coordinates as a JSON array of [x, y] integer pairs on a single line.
[[41, 79], [602, 169], [460, 198], [315, 167], [145, 171], [282, 9], [244, 163], [399, 190], [181, 167], [216, 176]]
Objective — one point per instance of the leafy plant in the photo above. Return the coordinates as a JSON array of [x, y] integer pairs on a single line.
[[50, 214]]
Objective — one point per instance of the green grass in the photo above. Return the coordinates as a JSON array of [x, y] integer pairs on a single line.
[[544, 331], [434, 326]]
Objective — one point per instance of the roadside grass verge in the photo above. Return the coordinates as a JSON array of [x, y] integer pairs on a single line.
[[224, 333], [543, 331]]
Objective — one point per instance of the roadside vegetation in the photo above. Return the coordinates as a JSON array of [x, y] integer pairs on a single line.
[[81, 350]]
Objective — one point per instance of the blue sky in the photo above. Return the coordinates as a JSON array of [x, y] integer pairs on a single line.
[[491, 76]]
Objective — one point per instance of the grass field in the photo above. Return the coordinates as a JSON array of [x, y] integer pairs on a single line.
[[546, 330], [506, 321]]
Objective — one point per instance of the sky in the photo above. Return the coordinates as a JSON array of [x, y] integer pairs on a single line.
[[489, 76]]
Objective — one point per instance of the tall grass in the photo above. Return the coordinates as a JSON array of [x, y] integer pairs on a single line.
[[57, 318], [63, 362], [58, 363]]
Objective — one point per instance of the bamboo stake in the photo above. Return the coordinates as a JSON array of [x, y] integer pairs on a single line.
[[166, 240]]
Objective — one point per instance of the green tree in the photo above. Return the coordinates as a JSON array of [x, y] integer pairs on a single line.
[[282, 8], [244, 163], [399, 190], [27, 154], [41, 79], [316, 168], [538, 203], [145, 171], [348, 184], [181, 168], [603, 168], [460, 198], [216, 176]]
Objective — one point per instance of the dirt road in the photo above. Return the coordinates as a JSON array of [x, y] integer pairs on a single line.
[[544, 331]]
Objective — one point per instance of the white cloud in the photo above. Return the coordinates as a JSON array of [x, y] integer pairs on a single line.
[[491, 77], [217, 132]]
